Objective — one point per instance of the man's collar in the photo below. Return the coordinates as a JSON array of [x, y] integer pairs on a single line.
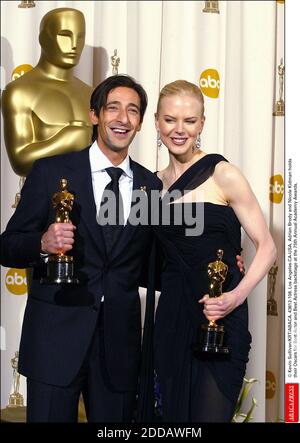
[[99, 161]]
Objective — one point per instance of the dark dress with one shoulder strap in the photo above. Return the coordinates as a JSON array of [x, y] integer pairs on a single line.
[[198, 387]]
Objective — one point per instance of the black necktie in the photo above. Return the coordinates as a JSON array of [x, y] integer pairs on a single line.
[[112, 230]]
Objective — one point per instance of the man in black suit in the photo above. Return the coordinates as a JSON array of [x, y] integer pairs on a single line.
[[86, 337]]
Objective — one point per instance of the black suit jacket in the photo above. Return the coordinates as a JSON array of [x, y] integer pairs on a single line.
[[60, 320]]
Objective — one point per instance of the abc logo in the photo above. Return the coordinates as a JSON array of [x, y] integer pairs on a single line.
[[270, 385], [210, 83], [276, 188], [16, 282], [20, 70]]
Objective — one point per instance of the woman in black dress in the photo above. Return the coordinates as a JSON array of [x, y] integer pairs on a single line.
[[202, 387]]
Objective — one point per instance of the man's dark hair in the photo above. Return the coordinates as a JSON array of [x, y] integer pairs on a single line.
[[99, 95]]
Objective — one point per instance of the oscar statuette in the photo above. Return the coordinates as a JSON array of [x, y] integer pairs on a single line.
[[60, 267], [280, 105], [15, 411], [271, 302], [16, 399], [115, 61], [211, 335]]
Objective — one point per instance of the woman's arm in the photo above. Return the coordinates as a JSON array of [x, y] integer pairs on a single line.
[[239, 195]]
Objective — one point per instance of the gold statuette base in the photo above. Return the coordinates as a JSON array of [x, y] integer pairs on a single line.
[[214, 11], [26, 4], [13, 415], [211, 339], [279, 109], [18, 414], [272, 307], [60, 269]]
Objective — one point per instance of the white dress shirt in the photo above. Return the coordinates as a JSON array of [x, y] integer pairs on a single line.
[[100, 178]]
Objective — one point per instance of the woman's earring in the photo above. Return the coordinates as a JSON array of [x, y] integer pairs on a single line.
[[158, 140], [198, 142]]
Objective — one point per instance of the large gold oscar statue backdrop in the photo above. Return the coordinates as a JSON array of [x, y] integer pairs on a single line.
[[45, 111]]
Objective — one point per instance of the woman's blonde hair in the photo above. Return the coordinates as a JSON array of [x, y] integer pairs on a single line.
[[181, 87]]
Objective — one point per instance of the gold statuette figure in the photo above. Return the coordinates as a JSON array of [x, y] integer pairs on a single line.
[[60, 267], [15, 411], [63, 201], [115, 61], [217, 272], [280, 106], [15, 399], [46, 110], [211, 336], [18, 194], [271, 303]]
